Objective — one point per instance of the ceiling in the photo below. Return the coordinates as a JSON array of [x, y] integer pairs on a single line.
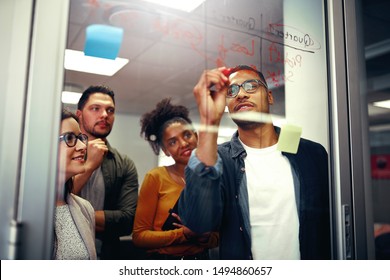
[[166, 56], [167, 52]]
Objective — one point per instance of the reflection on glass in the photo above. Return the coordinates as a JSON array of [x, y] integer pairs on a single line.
[[168, 49]]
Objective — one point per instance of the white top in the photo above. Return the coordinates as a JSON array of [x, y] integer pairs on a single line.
[[272, 205], [70, 245]]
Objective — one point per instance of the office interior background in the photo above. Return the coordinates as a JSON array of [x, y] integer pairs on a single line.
[[327, 63]]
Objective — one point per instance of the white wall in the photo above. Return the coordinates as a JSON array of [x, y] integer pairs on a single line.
[[125, 136]]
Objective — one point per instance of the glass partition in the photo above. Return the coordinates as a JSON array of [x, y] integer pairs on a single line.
[[167, 49], [307, 50]]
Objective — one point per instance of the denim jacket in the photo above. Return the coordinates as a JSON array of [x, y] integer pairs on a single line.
[[216, 198]]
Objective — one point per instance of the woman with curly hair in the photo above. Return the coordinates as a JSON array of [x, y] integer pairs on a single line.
[[167, 128]]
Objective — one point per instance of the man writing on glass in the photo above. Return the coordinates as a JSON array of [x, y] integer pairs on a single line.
[[266, 204]]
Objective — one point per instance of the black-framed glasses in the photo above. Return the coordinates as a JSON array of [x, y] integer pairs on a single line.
[[250, 86], [70, 138]]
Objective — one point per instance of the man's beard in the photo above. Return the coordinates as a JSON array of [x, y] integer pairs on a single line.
[[96, 134], [246, 125], [100, 135]]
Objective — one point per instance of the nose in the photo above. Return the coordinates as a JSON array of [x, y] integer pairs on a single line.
[[80, 145], [183, 142], [242, 93], [104, 113]]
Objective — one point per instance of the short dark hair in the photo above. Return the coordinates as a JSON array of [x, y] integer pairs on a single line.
[[246, 67], [94, 89]]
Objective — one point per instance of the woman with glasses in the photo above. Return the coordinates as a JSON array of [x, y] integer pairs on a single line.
[[157, 225], [74, 224]]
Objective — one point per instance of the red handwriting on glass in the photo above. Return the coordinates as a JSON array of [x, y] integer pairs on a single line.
[[235, 47], [182, 30], [277, 78], [179, 30], [276, 56]]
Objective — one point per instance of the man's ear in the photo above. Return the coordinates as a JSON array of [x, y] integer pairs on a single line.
[[270, 97], [78, 113]]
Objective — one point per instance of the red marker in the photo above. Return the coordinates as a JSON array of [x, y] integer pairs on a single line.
[[227, 71]]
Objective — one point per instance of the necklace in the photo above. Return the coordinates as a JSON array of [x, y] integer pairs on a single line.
[[174, 172]]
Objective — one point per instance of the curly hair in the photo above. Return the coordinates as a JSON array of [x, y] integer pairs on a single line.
[[154, 122]]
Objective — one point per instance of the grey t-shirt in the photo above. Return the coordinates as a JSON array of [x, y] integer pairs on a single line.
[[93, 190]]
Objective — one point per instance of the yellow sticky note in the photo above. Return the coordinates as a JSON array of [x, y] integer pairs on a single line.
[[289, 138]]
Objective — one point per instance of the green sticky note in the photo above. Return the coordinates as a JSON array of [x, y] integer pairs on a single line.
[[289, 138]]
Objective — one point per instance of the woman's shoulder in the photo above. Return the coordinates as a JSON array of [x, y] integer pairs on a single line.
[[81, 202], [157, 172], [78, 199], [157, 178]]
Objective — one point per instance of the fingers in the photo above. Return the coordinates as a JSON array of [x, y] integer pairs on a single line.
[[96, 146], [214, 79], [98, 143], [210, 95], [223, 77], [177, 217], [188, 233], [97, 149], [177, 225]]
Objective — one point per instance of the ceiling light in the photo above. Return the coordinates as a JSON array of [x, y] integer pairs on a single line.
[[78, 61], [183, 5], [70, 97], [383, 104]]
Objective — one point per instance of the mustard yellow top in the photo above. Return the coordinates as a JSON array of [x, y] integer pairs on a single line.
[[159, 193]]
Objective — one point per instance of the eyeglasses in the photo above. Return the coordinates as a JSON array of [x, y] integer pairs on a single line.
[[249, 86], [70, 138]]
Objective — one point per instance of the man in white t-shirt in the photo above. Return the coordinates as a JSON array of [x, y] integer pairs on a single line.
[[266, 204]]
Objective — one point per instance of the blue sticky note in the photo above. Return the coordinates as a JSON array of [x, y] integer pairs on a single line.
[[103, 41], [289, 138]]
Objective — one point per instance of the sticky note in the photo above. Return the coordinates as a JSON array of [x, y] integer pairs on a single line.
[[103, 41], [289, 138]]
